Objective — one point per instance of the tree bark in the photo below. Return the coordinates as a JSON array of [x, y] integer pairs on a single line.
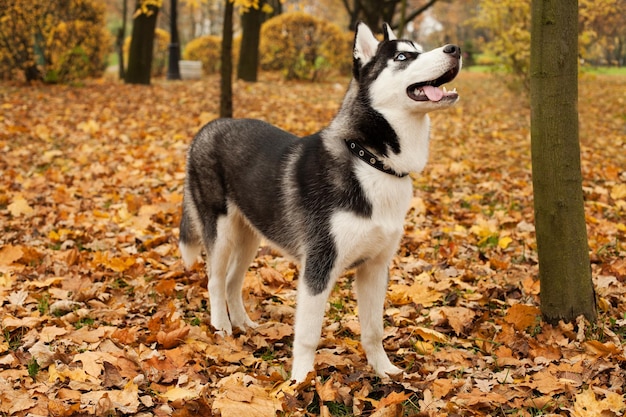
[[226, 70], [121, 35], [247, 67], [564, 268], [141, 47], [173, 71]]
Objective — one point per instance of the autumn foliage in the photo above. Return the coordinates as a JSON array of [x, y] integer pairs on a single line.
[[206, 49], [99, 317], [602, 33], [304, 47], [54, 40]]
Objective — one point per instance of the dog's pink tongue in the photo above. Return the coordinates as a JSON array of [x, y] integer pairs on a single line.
[[433, 93]]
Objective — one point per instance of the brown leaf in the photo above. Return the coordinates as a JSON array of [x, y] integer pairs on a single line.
[[327, 391], [10, 254], [522, 316], [173, 338], [166, 287], [459, 318], [271, 276], [394, 398], [275, 331]]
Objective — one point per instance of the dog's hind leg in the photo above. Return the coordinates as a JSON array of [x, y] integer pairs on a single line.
[[371, 288], [218, 261], [244, 248], [189, 242]]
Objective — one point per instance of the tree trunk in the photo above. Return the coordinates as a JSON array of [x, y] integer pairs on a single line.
[[248, 65], [121, 35], [141, 46], [173, 71], [564, 268], [226, 70]]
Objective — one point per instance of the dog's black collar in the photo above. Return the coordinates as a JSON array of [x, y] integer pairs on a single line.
[[371, 159]]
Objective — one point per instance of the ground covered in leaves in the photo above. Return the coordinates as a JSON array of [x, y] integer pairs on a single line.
[[99, 317]]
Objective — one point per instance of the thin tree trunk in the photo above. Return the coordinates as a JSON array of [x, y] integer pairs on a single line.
[[173, 71], [226, 71], [121, 35], [564, 268]]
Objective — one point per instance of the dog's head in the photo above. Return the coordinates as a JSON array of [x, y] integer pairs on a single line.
[[398, 74]]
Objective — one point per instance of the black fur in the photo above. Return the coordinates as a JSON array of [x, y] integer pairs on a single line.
[[217, 177]]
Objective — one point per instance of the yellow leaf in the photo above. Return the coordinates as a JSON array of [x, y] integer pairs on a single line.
[[63, 372], [431, 335], [90, 126], [587, 404], [424, 348], [54, 236], [101, 214], [417, 293], [120, 264], [504, 242], [618, 192], [19, 206], [177, 394]]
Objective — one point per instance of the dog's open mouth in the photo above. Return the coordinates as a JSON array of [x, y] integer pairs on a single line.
[[430, 91]]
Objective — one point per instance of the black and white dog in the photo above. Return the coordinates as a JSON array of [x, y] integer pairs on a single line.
[[333, 200]]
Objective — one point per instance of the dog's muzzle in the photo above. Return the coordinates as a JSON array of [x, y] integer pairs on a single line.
[[429, 90]]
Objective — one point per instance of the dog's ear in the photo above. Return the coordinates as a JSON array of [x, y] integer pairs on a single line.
[[365, 45], [389, 35]]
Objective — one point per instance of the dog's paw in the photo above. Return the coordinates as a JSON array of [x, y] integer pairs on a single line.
[[385, 369], [299, 376], [222, 327], [391, 372], [244, 323]]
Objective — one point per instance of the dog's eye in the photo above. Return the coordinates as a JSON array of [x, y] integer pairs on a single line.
[[400, 57]]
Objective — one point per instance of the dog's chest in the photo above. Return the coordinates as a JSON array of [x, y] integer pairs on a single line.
[[360, 238]]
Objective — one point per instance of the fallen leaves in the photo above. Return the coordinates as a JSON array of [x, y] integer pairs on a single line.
[[98, 316]]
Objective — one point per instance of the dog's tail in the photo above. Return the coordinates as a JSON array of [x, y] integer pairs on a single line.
[[190, 242]]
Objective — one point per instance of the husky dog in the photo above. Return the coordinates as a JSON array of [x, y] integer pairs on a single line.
[[334, 200]]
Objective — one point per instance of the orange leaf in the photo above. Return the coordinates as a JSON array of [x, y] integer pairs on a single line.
[[393, 399], [172, 339], [522, 316]]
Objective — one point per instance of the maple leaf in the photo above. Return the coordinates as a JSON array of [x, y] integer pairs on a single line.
[[586, 404], [19, 206], [522, 316], [173, 338]]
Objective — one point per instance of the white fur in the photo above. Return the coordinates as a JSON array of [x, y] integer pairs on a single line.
[[365, 44]]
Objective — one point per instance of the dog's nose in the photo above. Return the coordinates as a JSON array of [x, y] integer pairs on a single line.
[[453, 50]]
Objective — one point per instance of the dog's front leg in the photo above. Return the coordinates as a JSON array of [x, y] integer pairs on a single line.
[[371, 288], [310, 310]]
